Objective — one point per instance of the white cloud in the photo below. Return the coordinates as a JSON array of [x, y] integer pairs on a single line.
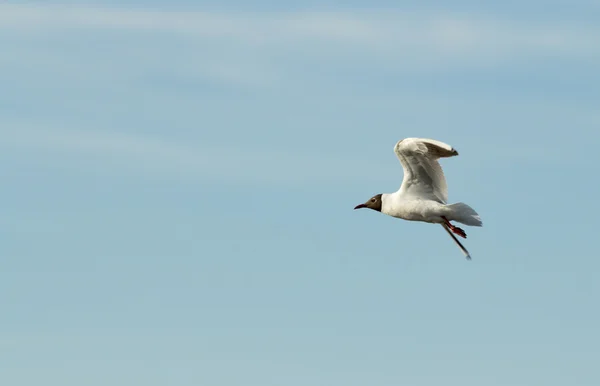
[[394, 34], [276, 50], [114, 152]]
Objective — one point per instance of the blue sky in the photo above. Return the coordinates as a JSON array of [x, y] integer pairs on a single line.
[[178, 185]]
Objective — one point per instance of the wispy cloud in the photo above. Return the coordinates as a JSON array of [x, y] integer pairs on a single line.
[[275, 49], [161, 157], [400, 35], [157, 156]]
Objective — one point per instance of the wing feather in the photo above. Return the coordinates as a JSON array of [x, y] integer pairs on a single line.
[[423, 175]]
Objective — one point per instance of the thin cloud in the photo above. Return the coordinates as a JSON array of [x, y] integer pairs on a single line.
[[275, 50], [389, 33], [116, 153], [160, 157]]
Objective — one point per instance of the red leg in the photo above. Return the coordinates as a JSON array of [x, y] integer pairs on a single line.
[[455, 229]]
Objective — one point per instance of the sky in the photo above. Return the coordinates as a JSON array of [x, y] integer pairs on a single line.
[[179, 181]]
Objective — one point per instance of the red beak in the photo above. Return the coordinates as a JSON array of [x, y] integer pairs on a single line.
[[360, 206]]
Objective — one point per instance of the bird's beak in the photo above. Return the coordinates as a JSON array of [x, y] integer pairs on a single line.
[[360, 206]]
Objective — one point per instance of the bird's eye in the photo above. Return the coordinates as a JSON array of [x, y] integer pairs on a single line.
[[372, 200]]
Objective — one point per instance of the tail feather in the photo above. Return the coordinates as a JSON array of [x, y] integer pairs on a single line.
[[464, 214]]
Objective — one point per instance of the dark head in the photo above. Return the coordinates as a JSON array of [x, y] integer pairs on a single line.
[[373, 203]]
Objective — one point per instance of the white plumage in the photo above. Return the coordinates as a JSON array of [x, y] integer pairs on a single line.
[[423, 175], [423, 194]]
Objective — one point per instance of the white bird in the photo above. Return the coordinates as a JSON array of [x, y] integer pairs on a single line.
[[423, 194]]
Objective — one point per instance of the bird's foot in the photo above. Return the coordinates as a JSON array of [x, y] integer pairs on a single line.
[[455, 229], [458, 231]]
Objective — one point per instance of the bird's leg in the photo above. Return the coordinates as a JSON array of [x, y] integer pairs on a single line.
[[455, 229]]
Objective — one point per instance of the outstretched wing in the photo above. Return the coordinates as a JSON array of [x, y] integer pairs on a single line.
[[423, 175]]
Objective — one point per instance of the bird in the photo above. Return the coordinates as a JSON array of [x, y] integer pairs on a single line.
[[423, 194]]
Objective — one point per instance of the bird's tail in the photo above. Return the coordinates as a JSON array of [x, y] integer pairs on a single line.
[[463, 213]]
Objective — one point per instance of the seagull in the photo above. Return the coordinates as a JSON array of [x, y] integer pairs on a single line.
[[423, 194]]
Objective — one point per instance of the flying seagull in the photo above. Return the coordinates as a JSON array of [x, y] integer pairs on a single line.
[[423, 194]]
